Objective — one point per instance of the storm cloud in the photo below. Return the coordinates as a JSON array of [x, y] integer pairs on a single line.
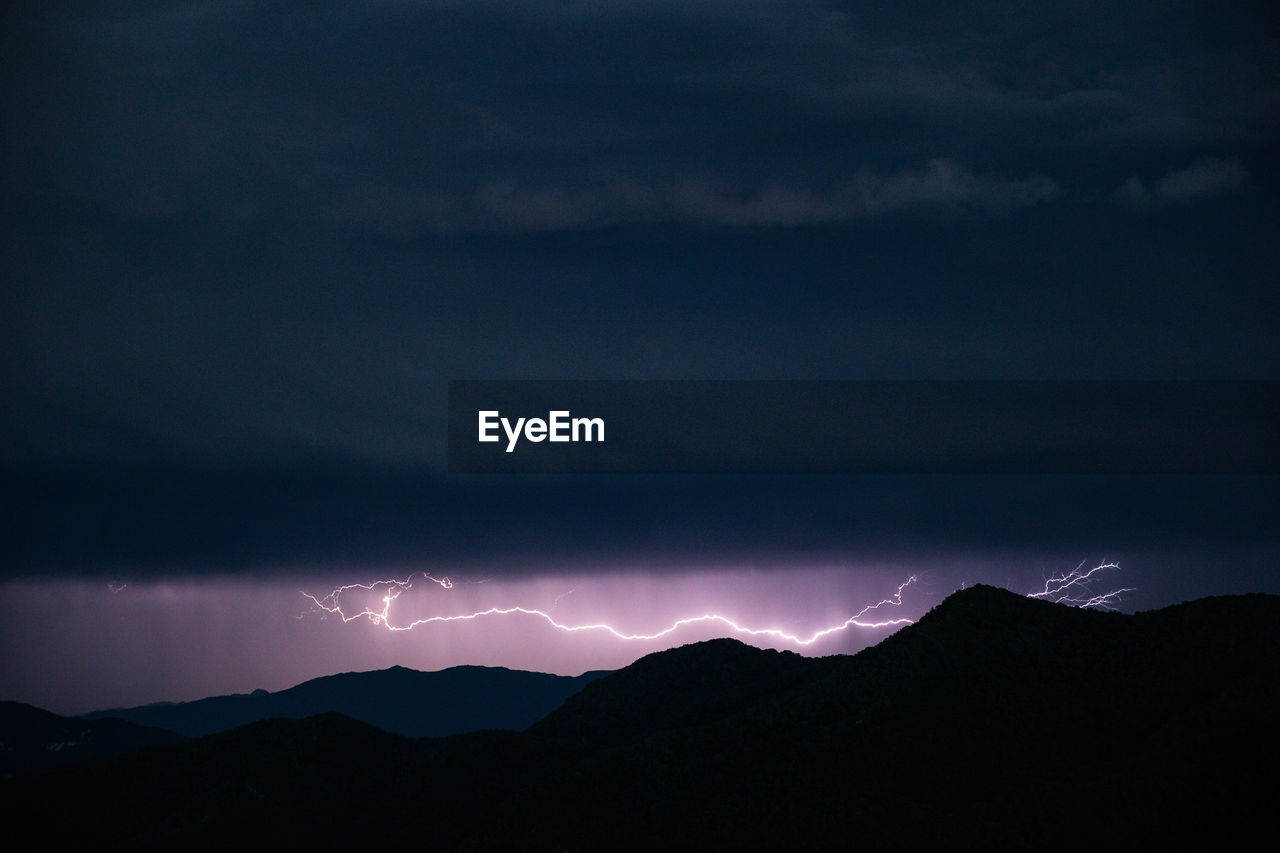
[[1205, 178], [411, 118], [248, 243]]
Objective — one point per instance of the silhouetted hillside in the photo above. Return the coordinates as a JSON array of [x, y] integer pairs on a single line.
[[995, 722], [399, 700], [33, 739], [695, 684]]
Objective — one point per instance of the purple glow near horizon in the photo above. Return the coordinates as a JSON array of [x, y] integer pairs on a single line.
[[111, 644]]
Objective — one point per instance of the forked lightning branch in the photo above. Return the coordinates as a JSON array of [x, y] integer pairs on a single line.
[[558, 426], [1075, 589]]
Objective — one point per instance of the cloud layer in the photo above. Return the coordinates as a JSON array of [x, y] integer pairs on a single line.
[[1205, 178], [444, 117]]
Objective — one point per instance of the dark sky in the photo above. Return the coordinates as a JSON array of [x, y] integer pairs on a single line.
[[245, 245]]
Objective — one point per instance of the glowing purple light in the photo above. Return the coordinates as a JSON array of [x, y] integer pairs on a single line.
[[332, 603], [1074, 588]]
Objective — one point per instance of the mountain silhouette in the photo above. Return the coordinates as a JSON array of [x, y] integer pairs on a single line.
[[33, 739], [398, 700], [994, 722]]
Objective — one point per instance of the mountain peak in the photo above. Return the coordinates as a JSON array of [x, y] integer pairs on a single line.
[[985, 601], [975, 728]]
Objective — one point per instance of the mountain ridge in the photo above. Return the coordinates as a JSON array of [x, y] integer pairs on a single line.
[[397, 699], [33, 739], [979, 727]]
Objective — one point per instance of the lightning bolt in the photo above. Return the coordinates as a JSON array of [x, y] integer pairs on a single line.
[[332, 604], [1075, 588], [561, 596]]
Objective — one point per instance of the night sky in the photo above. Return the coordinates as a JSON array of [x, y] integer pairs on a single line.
[[246, 245]]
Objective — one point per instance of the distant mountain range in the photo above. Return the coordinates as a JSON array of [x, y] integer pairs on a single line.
[[995, 722], [34, 739], [398, 700]]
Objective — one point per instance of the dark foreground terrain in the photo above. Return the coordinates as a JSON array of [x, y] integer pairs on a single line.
[[995, 722]]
